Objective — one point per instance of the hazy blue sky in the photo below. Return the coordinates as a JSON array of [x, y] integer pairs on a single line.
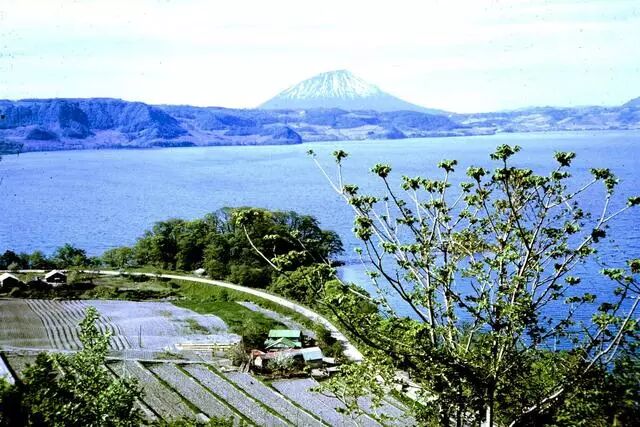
[[473, 55]]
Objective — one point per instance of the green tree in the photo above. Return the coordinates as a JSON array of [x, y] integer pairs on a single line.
[[10, 407], [282, 364], [192, 242], [472, 275], [330, 346], [77, 389], [254, 335], [69, 256], [122, 257], [216, 257], [305, 284], [237, 354], [39, 261], [11, 258], [226, 250]]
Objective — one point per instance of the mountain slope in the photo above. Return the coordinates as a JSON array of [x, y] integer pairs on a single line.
[[65, 124], [339, 89], [634, 103]]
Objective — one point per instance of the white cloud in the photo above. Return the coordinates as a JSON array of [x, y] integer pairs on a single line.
[[461, 55]]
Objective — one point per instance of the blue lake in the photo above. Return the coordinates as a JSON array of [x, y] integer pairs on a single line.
[[100, 199]]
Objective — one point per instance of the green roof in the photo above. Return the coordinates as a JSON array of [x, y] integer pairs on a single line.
[[282, 343], [285, 333]]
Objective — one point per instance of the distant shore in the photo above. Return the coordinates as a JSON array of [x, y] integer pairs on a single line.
[[102, 123]]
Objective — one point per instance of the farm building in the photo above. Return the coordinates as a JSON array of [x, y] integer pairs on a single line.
[[280, 339], [56, 277], [8, 281], [311, 356]]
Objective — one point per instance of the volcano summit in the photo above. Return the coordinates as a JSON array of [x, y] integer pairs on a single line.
[[339, 89]]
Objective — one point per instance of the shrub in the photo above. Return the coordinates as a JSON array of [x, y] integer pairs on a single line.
[[238, 354]]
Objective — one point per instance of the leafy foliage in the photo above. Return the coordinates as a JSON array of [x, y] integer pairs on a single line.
[[472, 273], [330, 346], [305, 284], [64, 257], [219, 243]]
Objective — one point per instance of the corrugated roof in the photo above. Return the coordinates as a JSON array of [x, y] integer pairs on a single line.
[[282, 343], [311, 353], [308, 354]]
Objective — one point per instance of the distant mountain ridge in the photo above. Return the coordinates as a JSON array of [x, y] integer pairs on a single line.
[[94, 123], [339, 89], [634, 103]]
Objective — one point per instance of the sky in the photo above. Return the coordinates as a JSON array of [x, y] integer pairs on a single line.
[[462, 56]]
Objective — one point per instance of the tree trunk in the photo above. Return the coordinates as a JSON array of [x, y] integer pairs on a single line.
[[460, 409], [444, 417], [488, 418]]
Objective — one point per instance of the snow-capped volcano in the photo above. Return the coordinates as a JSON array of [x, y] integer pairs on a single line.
[[340, 84], [338, 89]]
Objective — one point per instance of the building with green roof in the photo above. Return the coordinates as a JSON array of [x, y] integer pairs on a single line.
[[283, 339]]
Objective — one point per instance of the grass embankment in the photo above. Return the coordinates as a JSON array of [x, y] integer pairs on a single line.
[[205, 299]]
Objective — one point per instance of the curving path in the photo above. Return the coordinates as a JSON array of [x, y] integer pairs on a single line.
[[349, 349]]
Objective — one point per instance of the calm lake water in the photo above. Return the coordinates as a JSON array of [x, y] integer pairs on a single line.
[[101, 199]]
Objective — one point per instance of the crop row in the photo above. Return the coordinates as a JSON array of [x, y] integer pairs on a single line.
[[21, 328], [166, 387], [159, 325], [61, 334], [386, 411], [326, 407], [76, 311], [272, 399], [159, 398], [234, 397], [61, 320], [191, 390]]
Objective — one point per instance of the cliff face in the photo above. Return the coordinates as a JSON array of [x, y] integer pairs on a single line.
[[82, 121], [63, 124]]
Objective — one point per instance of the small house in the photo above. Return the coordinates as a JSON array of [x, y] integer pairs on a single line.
[[199, 272], [312, 356], [8, 281], [38, 284], [56, 277], [280, 339]]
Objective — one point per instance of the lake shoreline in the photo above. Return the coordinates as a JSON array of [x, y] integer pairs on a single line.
[[303, 143]]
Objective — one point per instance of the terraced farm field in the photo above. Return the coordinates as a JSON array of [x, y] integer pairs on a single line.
[[330, 409], [176, 384], [191, 390], [159, 398], [245, 404], [271, 398], [53, 325], [196, 390]]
